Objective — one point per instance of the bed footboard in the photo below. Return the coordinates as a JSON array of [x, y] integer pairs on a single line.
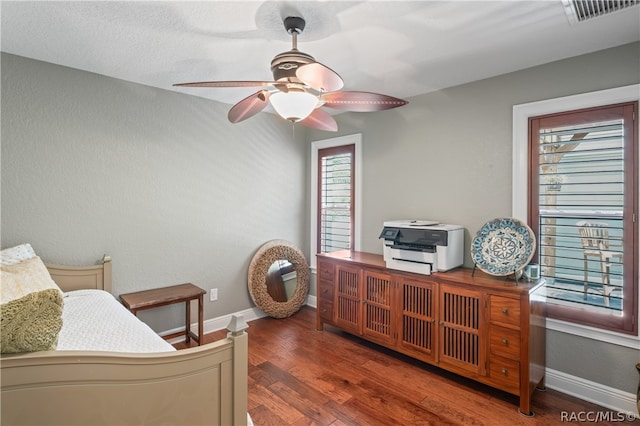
[[205, 385]]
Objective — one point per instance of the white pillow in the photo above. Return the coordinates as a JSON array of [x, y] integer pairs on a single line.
[[17, 254]]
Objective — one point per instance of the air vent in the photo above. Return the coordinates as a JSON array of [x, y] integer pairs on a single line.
[[581, 10]]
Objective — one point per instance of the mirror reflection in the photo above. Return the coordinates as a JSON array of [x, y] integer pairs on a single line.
[[281, 280]]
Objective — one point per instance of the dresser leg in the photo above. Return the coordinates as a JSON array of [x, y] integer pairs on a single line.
[[529, 414]]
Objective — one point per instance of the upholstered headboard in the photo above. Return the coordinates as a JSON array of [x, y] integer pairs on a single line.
[[71, 278]]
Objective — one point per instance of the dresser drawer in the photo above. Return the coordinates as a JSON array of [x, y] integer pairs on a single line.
[[325, 271], [325, 290], [325, 310], [504, 342], [504, 310], [505, 374]]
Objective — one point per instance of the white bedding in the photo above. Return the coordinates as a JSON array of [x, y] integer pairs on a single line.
[[93, 320]]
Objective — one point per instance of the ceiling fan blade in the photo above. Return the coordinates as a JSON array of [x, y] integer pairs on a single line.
[[320, 77], [249, 106], [360, 101], [320, 120], [228, 84]]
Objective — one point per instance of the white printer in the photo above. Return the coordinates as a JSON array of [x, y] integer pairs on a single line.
[[422, 246]]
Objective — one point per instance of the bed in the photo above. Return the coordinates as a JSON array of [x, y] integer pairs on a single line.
[[96, 383]]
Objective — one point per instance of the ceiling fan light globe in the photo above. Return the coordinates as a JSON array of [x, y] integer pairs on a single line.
[[293, 106]]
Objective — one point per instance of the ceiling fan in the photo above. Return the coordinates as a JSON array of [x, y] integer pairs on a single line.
[[300, 87]]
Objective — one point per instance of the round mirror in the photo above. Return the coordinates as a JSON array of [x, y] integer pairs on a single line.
[[278, 278]]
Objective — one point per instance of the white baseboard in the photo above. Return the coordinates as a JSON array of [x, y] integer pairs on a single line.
[[605, 396], [215, 324], [312, 301], [219, 323]]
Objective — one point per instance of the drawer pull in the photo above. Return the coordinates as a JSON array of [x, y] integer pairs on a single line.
[[505, 341], [505, 311], [505, 371]]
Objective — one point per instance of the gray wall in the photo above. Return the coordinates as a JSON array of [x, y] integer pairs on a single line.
[[164, 184], [447, 156], [159, 180]]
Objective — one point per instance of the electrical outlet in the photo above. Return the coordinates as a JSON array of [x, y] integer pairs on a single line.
[[213, 294]]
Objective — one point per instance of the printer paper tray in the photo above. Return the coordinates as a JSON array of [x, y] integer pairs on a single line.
[[415, 256], [428, 249], [409, 266]]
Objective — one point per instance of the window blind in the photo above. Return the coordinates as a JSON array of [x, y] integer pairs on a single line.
[[336, 201], [581, 203]]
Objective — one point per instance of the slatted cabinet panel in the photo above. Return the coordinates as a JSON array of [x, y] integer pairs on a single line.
[[418, 323], [377, 302], [460, 328], [348, 298]]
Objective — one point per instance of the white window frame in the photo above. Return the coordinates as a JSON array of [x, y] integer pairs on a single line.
[[520, 166], [355, 139]]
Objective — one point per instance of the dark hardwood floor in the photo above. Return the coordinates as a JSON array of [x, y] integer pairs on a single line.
[[300, 376]]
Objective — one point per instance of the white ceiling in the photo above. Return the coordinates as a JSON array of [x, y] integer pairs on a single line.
[[398, 48]]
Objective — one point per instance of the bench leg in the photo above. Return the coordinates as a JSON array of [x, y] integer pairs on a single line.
[[187, 330]]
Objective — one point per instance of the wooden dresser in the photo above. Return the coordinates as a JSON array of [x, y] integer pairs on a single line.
[[482, 327]]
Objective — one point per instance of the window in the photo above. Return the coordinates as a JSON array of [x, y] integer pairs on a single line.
[[335, 198], [336, 170], [618, 328], [582, 206]]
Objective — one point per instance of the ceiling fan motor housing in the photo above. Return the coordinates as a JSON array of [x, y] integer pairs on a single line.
[[285, 64]]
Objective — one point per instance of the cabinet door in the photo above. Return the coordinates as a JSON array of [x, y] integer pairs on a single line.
[[461, 344], [417, 305], [348, 298], [377, 302]]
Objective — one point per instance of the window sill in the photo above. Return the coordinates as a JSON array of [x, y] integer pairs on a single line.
[[619, 339]]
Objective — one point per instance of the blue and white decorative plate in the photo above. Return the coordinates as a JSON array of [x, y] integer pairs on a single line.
[[503, 246]]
